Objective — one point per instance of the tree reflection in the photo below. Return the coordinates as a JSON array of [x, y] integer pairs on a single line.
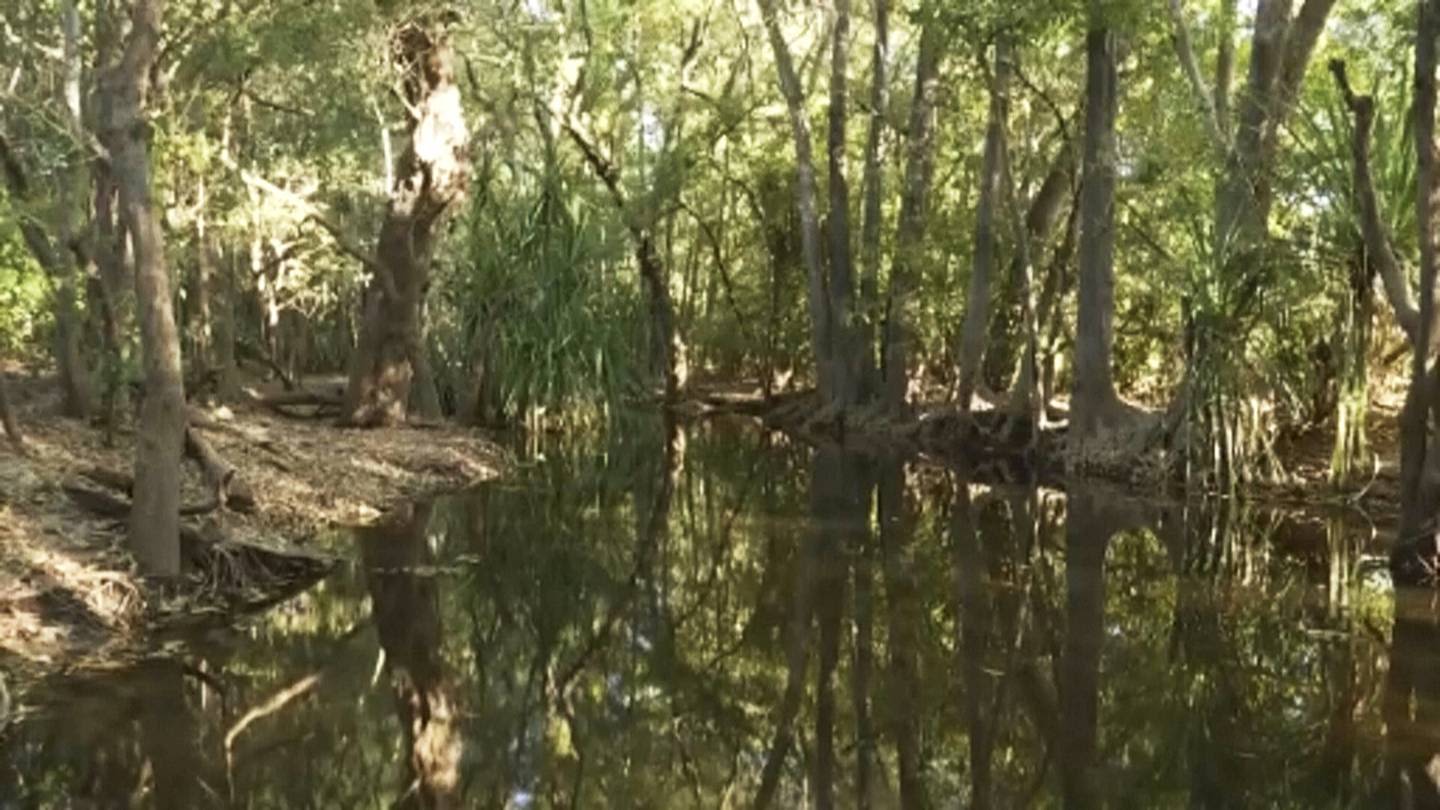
[[710, 617], [404, 593], [1412, 702], [1087, 534]]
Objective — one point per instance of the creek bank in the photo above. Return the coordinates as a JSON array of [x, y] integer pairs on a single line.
[[70, 594], [994, 447]]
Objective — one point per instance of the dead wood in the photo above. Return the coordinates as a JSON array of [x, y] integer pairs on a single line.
[[104, 504], [228, 490], [325, 402]]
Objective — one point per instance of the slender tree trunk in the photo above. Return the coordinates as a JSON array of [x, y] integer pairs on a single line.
[[1093, 397], [821, 318], [667, 350], [1003, 352], [155, 514], [202, 322], [113, 258], [846, 349], [75, 377], [910, 232], [873, 182], [977, 302], [432, 176], [226, 370]]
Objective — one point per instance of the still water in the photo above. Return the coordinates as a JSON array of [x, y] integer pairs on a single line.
[[719, 618]]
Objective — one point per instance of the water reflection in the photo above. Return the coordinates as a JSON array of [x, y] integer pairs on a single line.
[[719, 618]]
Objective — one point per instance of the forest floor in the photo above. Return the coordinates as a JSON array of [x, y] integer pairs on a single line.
[[70, 595]]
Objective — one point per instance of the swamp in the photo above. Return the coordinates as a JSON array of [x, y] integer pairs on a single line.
[[719, 403]]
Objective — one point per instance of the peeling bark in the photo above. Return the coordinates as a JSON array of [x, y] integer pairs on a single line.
[[431, 178]]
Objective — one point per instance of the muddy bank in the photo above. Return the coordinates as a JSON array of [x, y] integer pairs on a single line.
[[70, 595]]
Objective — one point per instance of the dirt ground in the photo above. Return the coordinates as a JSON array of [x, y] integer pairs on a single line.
[[70, 595]]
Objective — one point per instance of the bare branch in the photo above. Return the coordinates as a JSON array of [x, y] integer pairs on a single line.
[[1372, 228]]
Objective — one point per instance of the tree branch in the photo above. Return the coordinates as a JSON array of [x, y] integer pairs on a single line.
[[349, 248], [1180, 37], [1372, 228]]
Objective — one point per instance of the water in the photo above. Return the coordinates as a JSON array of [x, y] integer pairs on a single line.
[[719, 621]]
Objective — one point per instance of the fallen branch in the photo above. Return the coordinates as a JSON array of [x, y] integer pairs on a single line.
[[296, 398], [274, 704], [230, 491], [259, 353], [111, 479], [104, 504]]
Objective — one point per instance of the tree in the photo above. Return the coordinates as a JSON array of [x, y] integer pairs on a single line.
[[155, 514], [431, 178], [898, 337], [977, 302], [1094, 403]]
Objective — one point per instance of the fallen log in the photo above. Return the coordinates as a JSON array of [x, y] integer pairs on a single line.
[[103, 504], [111, 479], [281, 401], [229, 490]]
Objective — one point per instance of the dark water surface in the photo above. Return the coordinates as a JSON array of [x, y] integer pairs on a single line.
[[730, 620]]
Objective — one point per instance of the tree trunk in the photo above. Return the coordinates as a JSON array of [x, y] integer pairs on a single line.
[[226, 370], [846, 349], [910, 232], [155, 516], [1002, 354], [1093, 393], [1417, 508], [74, 378], [7, 416], [201, 326], [977, 302], [107, 242], [821, 327], [666, 349], [432, 176], [873, 189]]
